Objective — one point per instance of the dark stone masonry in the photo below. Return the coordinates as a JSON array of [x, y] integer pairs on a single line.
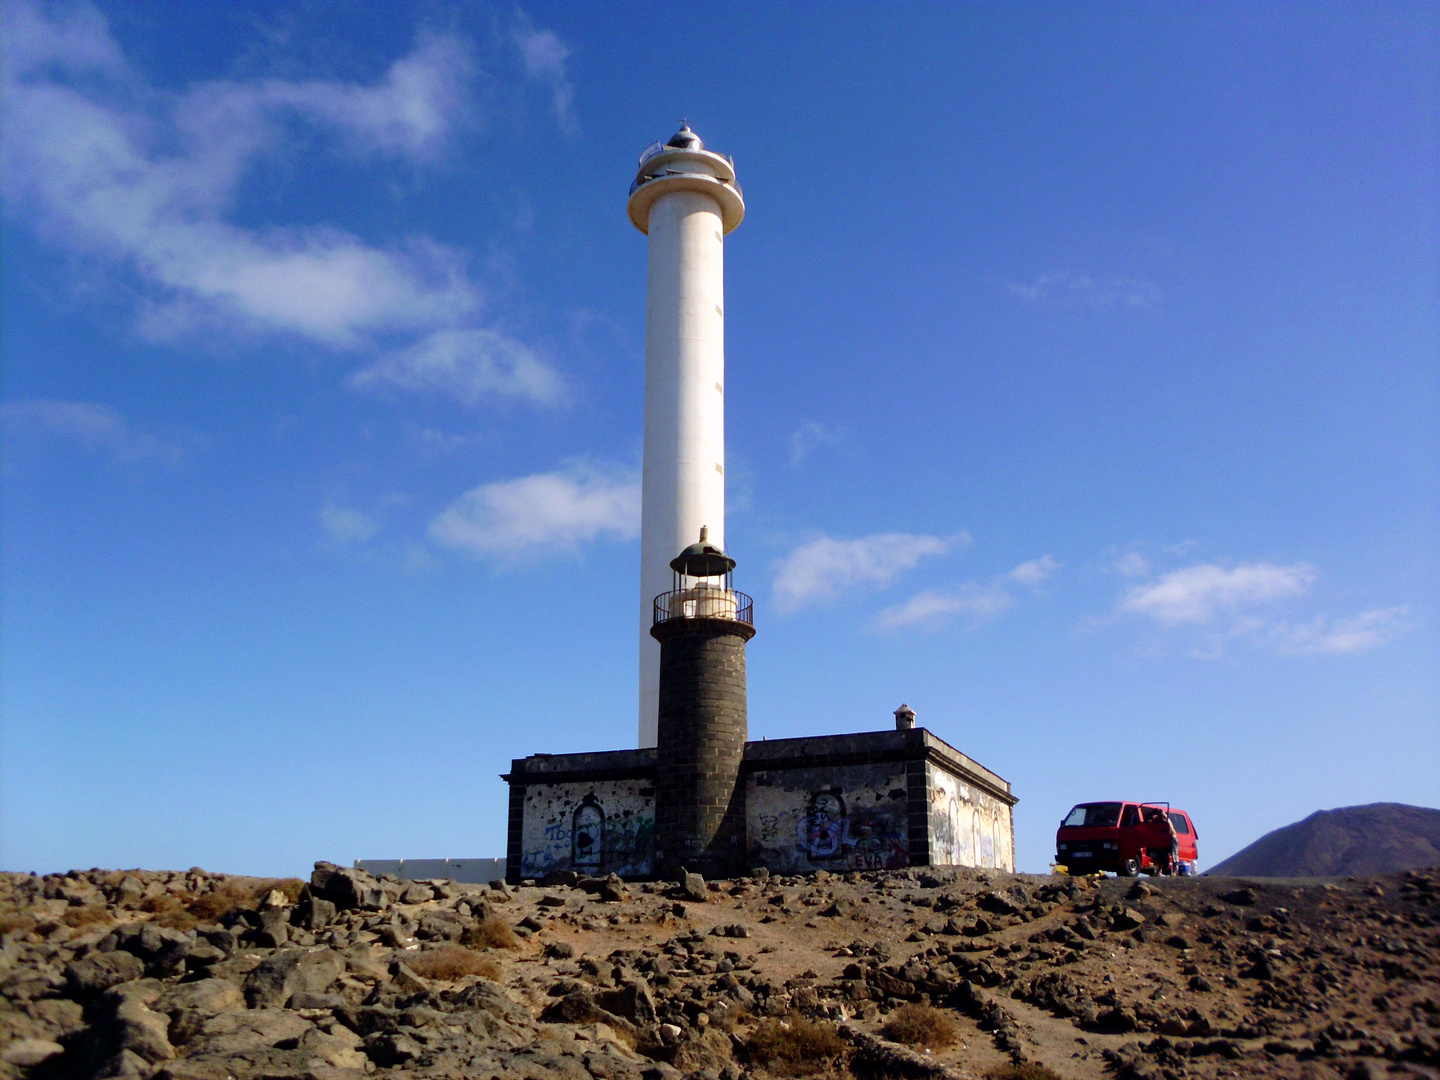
[[699, 802]]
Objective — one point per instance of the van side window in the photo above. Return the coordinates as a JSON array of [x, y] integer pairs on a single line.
[[1181, 825], [1131, 816]]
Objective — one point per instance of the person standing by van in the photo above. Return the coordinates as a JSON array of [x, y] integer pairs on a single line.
[[1165, 854], [1172, 855]]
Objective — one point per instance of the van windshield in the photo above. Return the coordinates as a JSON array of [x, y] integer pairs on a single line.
[[1098, 815]]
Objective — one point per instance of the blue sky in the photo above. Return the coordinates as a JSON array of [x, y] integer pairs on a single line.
[[1082, 393]]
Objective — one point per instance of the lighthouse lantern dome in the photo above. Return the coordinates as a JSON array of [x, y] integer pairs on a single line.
[[702, 559]]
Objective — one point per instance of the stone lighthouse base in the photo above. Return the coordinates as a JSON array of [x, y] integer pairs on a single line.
[[699, 806], [865, 801]]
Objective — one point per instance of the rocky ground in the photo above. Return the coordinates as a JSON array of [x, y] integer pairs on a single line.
[[199, 976]]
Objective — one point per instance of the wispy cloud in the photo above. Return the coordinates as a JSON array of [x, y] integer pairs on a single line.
[[1322, 635], [1066, 289], [810, 436], [143, 181], [1034, 572], [1218, 606], [436, 441], [544, 514], [93, 426], [1196, 593], [1131, 565], [346, 525], [545, 57], [467, 365], [821, 570], [934, 610]]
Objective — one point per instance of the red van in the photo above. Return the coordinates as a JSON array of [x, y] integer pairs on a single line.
[[1127, 838]]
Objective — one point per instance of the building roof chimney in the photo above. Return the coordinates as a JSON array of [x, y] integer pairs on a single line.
[[904, 718]]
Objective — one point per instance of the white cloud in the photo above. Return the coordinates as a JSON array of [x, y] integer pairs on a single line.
[[142, 181], [74, 38], [808, 437], [933, 610], [546, 513], [1196, 594], [92, 425], [545, 56], [147, 187], [1068, 289], [345, 525], [1035, 571], [468, 365], [820, 570], [412, 110]]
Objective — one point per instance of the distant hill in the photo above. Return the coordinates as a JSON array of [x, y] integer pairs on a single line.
[[1376, 839]]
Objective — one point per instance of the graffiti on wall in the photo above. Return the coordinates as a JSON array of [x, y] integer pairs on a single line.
[[968, 827], [601, 827], [848, 818]]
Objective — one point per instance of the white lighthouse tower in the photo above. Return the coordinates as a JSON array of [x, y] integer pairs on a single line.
[[685, 199]]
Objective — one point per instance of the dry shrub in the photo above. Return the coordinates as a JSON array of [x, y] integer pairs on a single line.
[[88, 915], [490, 932], [289, 886], [920, 1025], [177, 920], [726, 1019], [795, 1046], [169, 911], [228, 896], [16, 922], [451, 962], [1031, 1070]]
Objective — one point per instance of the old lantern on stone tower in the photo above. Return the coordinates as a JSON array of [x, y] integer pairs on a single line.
[[702, 625]]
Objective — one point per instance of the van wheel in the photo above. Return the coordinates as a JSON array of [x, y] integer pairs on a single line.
[[1130, 868]]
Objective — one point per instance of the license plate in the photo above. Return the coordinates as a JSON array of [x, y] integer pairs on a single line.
[[1080, 854]]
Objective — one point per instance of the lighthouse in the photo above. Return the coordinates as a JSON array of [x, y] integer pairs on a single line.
[[697, 795], [685, 199]]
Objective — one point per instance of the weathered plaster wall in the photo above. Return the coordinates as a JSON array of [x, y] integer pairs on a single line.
[[595, 827], [846, 817], [968, 826]]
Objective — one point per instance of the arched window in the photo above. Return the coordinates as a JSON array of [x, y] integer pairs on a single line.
[[588, 835]]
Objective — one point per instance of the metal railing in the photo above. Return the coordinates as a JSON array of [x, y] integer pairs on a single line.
[[645, 178], [703, 603]]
